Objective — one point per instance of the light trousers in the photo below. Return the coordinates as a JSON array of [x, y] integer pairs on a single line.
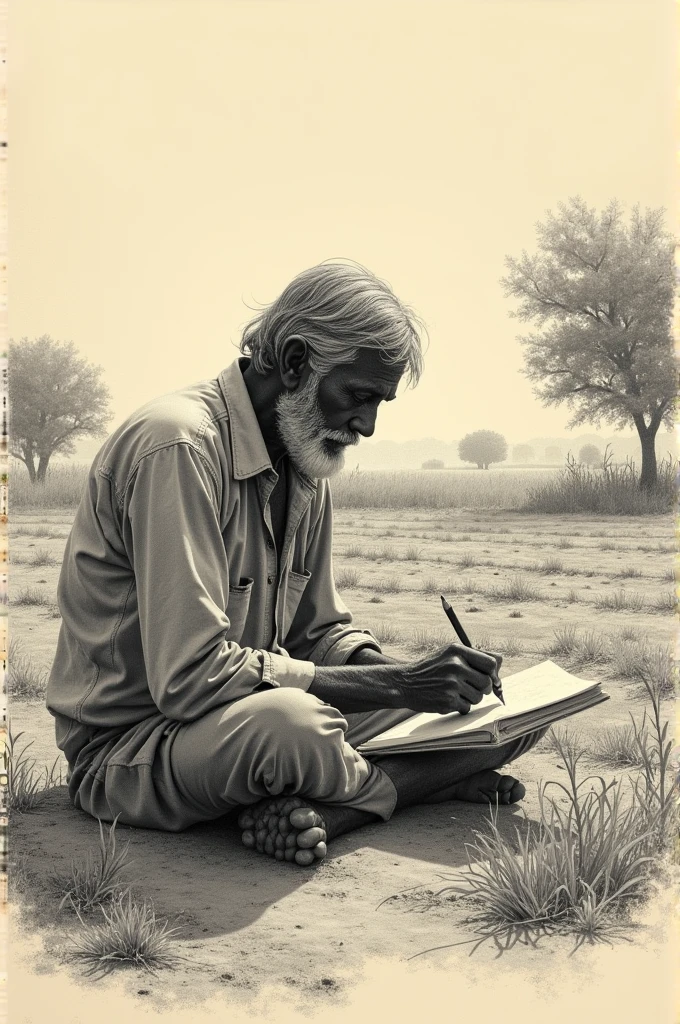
[[274, 743]]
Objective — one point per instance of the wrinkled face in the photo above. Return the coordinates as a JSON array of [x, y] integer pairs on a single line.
[[325, 415]]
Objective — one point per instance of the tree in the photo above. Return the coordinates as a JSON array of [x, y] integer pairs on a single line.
[[483, 447], [553, 454], [602, 292], [55, 397], [522, 453], [590, 455], [433, 464]]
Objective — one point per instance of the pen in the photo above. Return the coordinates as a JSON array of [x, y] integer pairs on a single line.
[[464, 639]]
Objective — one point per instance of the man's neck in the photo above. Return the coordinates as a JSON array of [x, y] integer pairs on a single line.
[[264, 392]]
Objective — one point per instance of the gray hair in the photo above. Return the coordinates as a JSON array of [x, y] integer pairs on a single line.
[[338, 307]]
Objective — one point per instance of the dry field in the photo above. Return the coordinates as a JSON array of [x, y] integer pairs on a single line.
[[595, 594]]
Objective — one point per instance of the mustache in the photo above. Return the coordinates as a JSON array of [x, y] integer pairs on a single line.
[[341, 437]]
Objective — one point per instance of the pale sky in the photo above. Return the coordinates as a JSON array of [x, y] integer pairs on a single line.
[[172, 161]]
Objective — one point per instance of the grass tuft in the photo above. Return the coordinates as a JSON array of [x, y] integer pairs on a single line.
[[386, 633], [347, 579], [131, 934], [27, 784], [620, 601], [24, 680], [31, 596], [516, 589], [42, 557], [95, 881], [391, 585]]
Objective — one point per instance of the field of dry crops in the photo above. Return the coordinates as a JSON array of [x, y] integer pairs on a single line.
[[594, 594]]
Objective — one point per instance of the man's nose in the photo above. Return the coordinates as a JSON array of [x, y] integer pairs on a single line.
[[364, 423]]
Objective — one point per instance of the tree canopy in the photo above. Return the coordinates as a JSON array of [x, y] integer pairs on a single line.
[[600, 291], [55, 397], [483, 447], [590, 455]]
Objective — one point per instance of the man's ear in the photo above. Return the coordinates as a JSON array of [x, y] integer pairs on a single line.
[[293, 361]]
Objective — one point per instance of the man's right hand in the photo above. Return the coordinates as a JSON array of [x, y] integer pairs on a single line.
[[453, 678]]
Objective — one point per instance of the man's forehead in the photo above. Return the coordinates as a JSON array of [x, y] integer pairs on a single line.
[[369, 366]]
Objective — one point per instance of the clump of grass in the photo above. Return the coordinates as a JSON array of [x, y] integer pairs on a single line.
[[616, 746], [413, 553], [516, 589], [43, 532], [42, 557], [620, 601], [631, 634], [27, 784], [591, 647], [354, 551], [511, 646], [62, 488], [31, 596], [515, 614], [53, 611], [130, 933], [96, 880], [386, 633], [564, 543], [609, 490], [468, 560], [591, 852], [423, 641], [430, 586], [24, 680], [629, 572], [347, 579], [376, 599], [664, 603], [572, 596], [551, 565], [564, 737], [391, 585], [608, 545], [564, 643]]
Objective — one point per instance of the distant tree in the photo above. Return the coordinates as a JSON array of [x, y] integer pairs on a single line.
[[433, 464], [55, 397], [522, 453], [602, 292], [553, 454], [590, 455], [483, 447]]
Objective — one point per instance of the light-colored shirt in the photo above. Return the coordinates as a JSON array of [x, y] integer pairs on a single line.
[[172, 595]]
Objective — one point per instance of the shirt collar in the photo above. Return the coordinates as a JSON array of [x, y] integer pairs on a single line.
[[248, 450]]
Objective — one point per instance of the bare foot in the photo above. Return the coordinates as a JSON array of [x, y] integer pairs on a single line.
[[286, 828], [481, 788]]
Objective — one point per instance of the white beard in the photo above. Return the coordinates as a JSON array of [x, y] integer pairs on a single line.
[[301, 426]]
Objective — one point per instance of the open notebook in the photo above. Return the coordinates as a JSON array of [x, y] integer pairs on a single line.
[[536, 697]]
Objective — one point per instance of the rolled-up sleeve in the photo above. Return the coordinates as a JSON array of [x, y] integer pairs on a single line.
[[182, 590], [322, 630]]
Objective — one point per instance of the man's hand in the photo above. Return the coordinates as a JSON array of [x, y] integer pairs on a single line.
[[452, 679]]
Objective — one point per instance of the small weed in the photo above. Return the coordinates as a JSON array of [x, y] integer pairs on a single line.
[[24, 680], [96, 880], [27, 784], [564, 643], [516, 589], [386, 633], [511, 647], [130, 933], [608, 545], [347, 579], [616, 746], [354, 551], [564, 543], [31, 596], [552, 565], [664, 603], [413, 554], [620, 601], [42, 557], [376, 599], [391, 585], [424, 641], [629, 573], [468, 560], [430, 586], [591, 647], [515, 614], [572, 596]]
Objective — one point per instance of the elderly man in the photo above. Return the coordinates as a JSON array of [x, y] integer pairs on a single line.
[[205, 660]]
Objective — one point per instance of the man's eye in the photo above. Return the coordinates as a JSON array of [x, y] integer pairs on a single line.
[[361, 398]]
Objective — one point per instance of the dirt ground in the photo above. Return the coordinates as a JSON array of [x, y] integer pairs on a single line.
[[262, 938]]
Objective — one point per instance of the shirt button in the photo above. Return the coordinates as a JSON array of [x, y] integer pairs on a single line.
[[270, 578], [270, 543]]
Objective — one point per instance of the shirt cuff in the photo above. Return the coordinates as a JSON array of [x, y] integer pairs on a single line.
[[279, 670], [336, 650]]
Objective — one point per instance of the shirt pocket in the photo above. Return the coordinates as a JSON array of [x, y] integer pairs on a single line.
[[237, 607], [296, 583]]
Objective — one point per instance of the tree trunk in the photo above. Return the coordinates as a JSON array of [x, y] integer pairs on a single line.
[[43, 463], [648, 474]]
